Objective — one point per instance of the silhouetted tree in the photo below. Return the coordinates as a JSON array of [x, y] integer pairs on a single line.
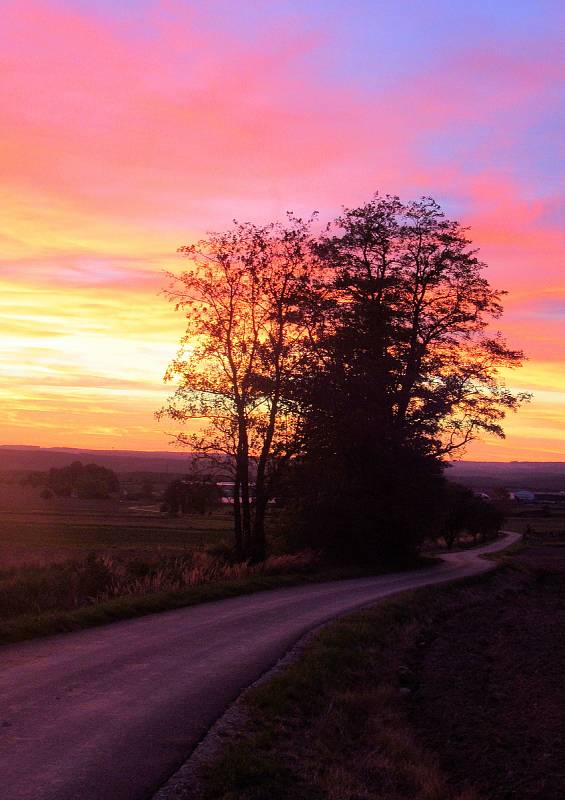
[[190, 496], [87, 481], [412, 333], [363, 505], [464, 512], [244, 299], [364, 358], [406, 374]]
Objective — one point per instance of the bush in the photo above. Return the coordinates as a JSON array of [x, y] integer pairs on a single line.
[[464, 512]]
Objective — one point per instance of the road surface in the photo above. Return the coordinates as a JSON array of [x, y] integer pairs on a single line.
[[110, 713]]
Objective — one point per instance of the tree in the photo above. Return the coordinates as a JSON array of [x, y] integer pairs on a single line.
[[464, 512], [363, 504], [413, 317], [190, 495], [246, 299], [407, 374], [88, 481]]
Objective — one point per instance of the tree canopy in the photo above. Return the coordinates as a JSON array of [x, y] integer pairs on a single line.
[[86, 480]]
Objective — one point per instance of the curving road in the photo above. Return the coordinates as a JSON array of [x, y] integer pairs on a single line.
[[110, 713]]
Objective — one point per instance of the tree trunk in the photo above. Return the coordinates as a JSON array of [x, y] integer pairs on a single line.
[[258, 549], [238, 538], [243, 468], [259, 543]]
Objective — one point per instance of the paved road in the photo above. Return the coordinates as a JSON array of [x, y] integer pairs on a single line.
[[110, 713]]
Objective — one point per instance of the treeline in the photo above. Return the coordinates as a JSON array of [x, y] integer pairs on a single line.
[[337, 369], [77, 479]]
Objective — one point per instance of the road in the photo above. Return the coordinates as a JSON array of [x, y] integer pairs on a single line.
[[110, 713]]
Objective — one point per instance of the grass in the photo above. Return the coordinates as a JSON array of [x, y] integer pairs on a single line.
[[335, 725], [96, 579], [39, 532]]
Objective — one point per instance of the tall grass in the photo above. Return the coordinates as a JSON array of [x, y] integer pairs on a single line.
[[100, 577]]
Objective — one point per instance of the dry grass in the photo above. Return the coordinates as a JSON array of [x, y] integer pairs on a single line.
[[100, 578], [201, 568]]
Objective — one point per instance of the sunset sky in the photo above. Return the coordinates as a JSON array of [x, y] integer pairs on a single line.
[[131, 127]]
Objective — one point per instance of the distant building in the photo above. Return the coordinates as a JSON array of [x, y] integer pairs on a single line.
[[524, 496], [527, 496], [550, 497]]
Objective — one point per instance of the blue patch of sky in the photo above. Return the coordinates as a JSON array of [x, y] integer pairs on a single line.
[[547, 310], [526, 143], [374, 44], [533, 155], [370, 43]]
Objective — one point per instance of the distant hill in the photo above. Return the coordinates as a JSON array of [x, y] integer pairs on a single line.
[[43, 458], [513, 475], [484, 475]]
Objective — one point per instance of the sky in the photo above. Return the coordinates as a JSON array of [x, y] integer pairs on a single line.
[[131, 128]]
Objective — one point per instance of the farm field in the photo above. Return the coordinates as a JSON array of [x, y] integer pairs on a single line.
[[36, 531], [535, 522]]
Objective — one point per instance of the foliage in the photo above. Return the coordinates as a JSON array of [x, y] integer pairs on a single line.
[[33, 478], [363, 505], [410, 348], [404, 375], [89, 481]]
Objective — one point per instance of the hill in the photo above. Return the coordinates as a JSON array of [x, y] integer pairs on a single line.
[[43, 458], [483, 475], [514, 475]]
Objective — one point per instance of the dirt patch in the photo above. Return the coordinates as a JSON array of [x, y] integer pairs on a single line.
[[490, 691]]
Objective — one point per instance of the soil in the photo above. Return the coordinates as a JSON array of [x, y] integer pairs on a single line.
[[490, 690]]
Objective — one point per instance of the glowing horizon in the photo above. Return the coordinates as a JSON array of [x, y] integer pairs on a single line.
[[130, 129]]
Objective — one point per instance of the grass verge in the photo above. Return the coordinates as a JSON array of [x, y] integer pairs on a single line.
[[335, 724]]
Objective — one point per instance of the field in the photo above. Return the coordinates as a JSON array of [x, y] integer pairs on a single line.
[[535, 521], [37, 531]]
